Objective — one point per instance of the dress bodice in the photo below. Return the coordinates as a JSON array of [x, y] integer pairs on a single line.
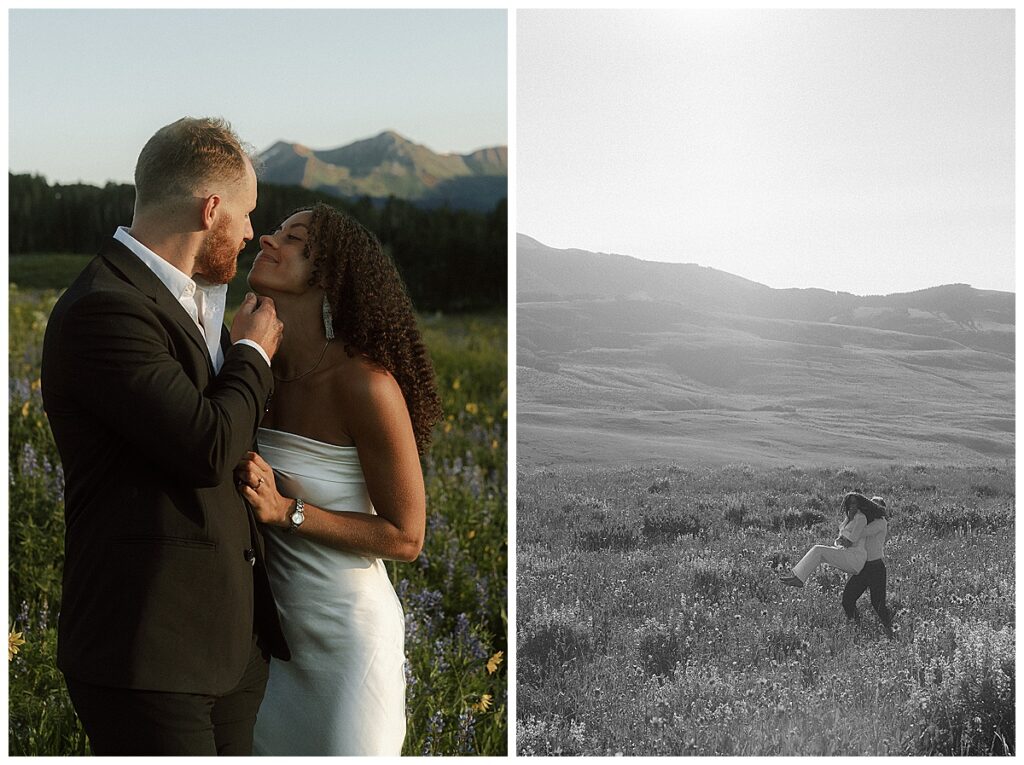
[[323, 474]]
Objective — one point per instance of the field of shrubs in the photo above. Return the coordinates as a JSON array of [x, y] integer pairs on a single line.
[[651, 620], [454, 595]]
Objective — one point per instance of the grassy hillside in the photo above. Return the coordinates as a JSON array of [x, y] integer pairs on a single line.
[[614, 378]]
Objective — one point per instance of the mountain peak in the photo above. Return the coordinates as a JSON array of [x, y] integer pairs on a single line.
[[389, 164], [392, 135], [386, 138]]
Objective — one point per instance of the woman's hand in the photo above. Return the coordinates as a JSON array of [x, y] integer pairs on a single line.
[[254, 479]]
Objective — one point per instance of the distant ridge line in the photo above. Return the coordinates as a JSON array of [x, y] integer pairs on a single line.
[[531, 243]]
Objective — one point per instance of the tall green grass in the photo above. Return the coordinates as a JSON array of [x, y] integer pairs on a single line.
[[651, 620], [41, 271], [454, 595]]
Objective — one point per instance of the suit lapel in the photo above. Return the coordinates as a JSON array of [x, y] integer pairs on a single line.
[[142, 278]]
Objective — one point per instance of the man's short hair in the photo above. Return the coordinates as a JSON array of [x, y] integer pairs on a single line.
[[182, 157]]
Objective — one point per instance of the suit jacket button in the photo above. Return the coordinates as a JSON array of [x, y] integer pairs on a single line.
[[250, 555]]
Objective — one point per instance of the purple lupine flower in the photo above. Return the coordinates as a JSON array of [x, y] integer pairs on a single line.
[[435, 726], [456, 467], [429, 466], [441, 648], [413, 630], [436, 722], [483, 599], [466, 638], [58, 483], [467, 725], [461, 626], [29, 462], [19, 389], [423, 607], [44, 615], [410, 678]]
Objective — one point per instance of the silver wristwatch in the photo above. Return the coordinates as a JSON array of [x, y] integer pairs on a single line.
[[297, 516]]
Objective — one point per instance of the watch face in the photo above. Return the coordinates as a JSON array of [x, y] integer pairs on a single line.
[[298, 517]]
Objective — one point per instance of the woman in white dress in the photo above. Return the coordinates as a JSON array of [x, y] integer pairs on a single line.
[[338, 484]]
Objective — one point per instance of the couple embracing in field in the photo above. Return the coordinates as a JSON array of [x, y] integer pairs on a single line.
[[230, 495], [859, 550]]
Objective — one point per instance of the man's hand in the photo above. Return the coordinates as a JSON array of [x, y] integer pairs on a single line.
[[257, 320]]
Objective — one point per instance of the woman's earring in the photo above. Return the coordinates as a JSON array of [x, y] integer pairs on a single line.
[[328, 320]]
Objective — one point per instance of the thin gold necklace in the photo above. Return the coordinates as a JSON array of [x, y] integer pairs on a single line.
[[308, 371]]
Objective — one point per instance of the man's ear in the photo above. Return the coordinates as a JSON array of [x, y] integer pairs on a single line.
[[211, 206]]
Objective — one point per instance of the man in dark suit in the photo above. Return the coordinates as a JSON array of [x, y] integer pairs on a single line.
[[167, 620]]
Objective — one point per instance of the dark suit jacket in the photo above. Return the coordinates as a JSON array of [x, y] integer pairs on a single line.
[[159, 589]]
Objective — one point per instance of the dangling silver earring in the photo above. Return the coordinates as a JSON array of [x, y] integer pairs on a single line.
[[328, 320]]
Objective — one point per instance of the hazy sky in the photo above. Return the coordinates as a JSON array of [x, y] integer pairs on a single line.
[[89, 87], [865, 151]]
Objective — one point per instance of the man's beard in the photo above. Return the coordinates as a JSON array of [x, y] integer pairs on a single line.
[[217, 261]]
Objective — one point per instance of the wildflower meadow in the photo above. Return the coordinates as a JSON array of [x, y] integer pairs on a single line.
[[454, 595], [651, 620]]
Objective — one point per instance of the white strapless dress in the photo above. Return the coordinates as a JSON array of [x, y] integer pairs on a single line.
[[343, 692]]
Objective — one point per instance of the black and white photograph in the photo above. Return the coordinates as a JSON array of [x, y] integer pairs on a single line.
[[765, 353]]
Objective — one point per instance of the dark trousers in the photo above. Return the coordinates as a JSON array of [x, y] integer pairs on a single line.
[[872, 577], [122, 721]]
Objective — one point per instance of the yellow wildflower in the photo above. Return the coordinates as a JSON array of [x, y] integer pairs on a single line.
[[447, 427], [472, 408], [471, 534], [494, 661], [456, 384], [484, 704], [13, 641], [37, 384], [494, 444], [25, 408]]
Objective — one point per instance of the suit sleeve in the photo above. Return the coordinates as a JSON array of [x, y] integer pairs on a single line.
[[125, 372]]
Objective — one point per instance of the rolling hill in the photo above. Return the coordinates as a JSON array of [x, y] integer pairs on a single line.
[[389, 164], [624, 360]]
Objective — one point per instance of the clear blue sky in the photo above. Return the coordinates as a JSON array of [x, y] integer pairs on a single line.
[[861, 150], [89, 87]]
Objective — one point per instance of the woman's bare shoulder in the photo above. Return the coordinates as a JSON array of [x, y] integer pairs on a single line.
[[358, 376], [364, 390]]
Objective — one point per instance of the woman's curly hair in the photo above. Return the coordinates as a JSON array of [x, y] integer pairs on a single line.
[[372, 311], [855, 502]]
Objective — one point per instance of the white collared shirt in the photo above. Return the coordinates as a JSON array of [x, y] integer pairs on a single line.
[[203, 301]]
